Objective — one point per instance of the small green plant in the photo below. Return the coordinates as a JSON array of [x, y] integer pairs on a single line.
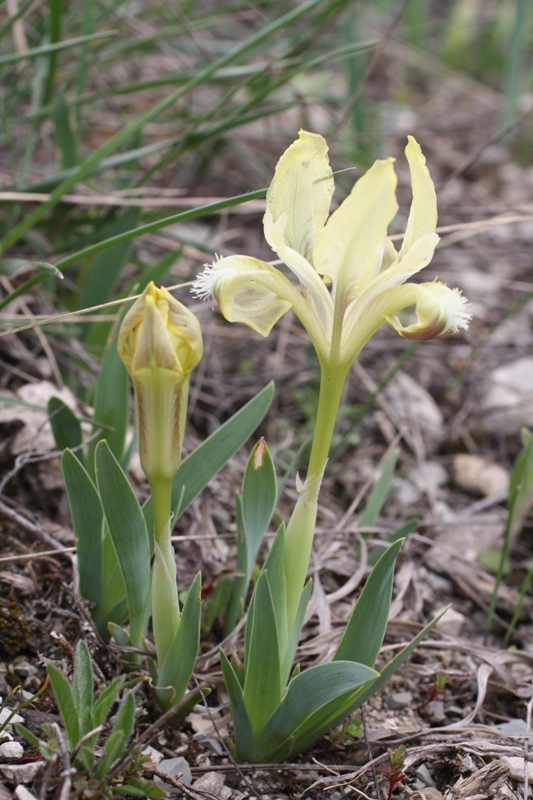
[[350, 730], [393, 769], [83, 719], [434, 689], [159, 343], [350, 280]]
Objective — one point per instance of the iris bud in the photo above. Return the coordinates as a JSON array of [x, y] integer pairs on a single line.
[[160, 343]]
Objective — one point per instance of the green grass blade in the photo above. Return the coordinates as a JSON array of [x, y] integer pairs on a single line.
[[48, 49], [259, 496], [105, 164], [379, 492], [87, 522], [122, 136], [111, 409], [127, 529], [105, 700], [65, 425], [314, 698], [150, 227], [520, 497], [64, 133], [179, 661], [393, 666], [363, 636], [55, 8], [83, 685], [262, 685], [65, 701], [8, 24], [242, 726], [99, 285]]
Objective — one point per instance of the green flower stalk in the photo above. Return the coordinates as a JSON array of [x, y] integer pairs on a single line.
[[160, 343], [349, 279]]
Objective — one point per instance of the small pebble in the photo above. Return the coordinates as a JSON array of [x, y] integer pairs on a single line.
[[399, 700], [516, 768], [24, 669], [21, 773], [431, 793], [451, 623], [154, 755], [176, 768], [423, 774], [436, 710], [210, 782], [4, 716], [478, 475], [513, 726], [10, 750]]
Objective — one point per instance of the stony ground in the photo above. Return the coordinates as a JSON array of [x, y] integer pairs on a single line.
[[453, 409]]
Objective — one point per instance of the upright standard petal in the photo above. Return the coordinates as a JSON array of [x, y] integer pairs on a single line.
[[423, 213], [350, 247], [302, 189], [313, 287]]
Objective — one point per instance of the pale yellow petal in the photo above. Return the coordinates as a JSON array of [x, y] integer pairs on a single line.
[[247, 290], [423, 214], [302, 188], [348, 248], [390, 255], [312, 284], [419, 256], [439, 310]]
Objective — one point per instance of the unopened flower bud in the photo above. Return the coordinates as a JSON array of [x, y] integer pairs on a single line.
[[160, 343]]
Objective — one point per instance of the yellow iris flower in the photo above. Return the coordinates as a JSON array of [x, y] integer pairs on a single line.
[[349, 272]]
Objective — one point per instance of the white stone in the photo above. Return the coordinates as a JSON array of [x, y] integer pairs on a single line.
[[508, 400], [416, 407], [211, 782], [154, 755], [11, 750], [517, 767], [4, 716], [451, 623], [21, 773], [429, 476], [476, 474], [175, 767]]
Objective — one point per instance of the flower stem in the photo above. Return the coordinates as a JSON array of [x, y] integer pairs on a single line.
[[331, 386], [165, 602], [301, 527]]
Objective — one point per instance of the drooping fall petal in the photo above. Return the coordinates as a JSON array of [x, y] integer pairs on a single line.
[[439, 310], [247, 290]]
